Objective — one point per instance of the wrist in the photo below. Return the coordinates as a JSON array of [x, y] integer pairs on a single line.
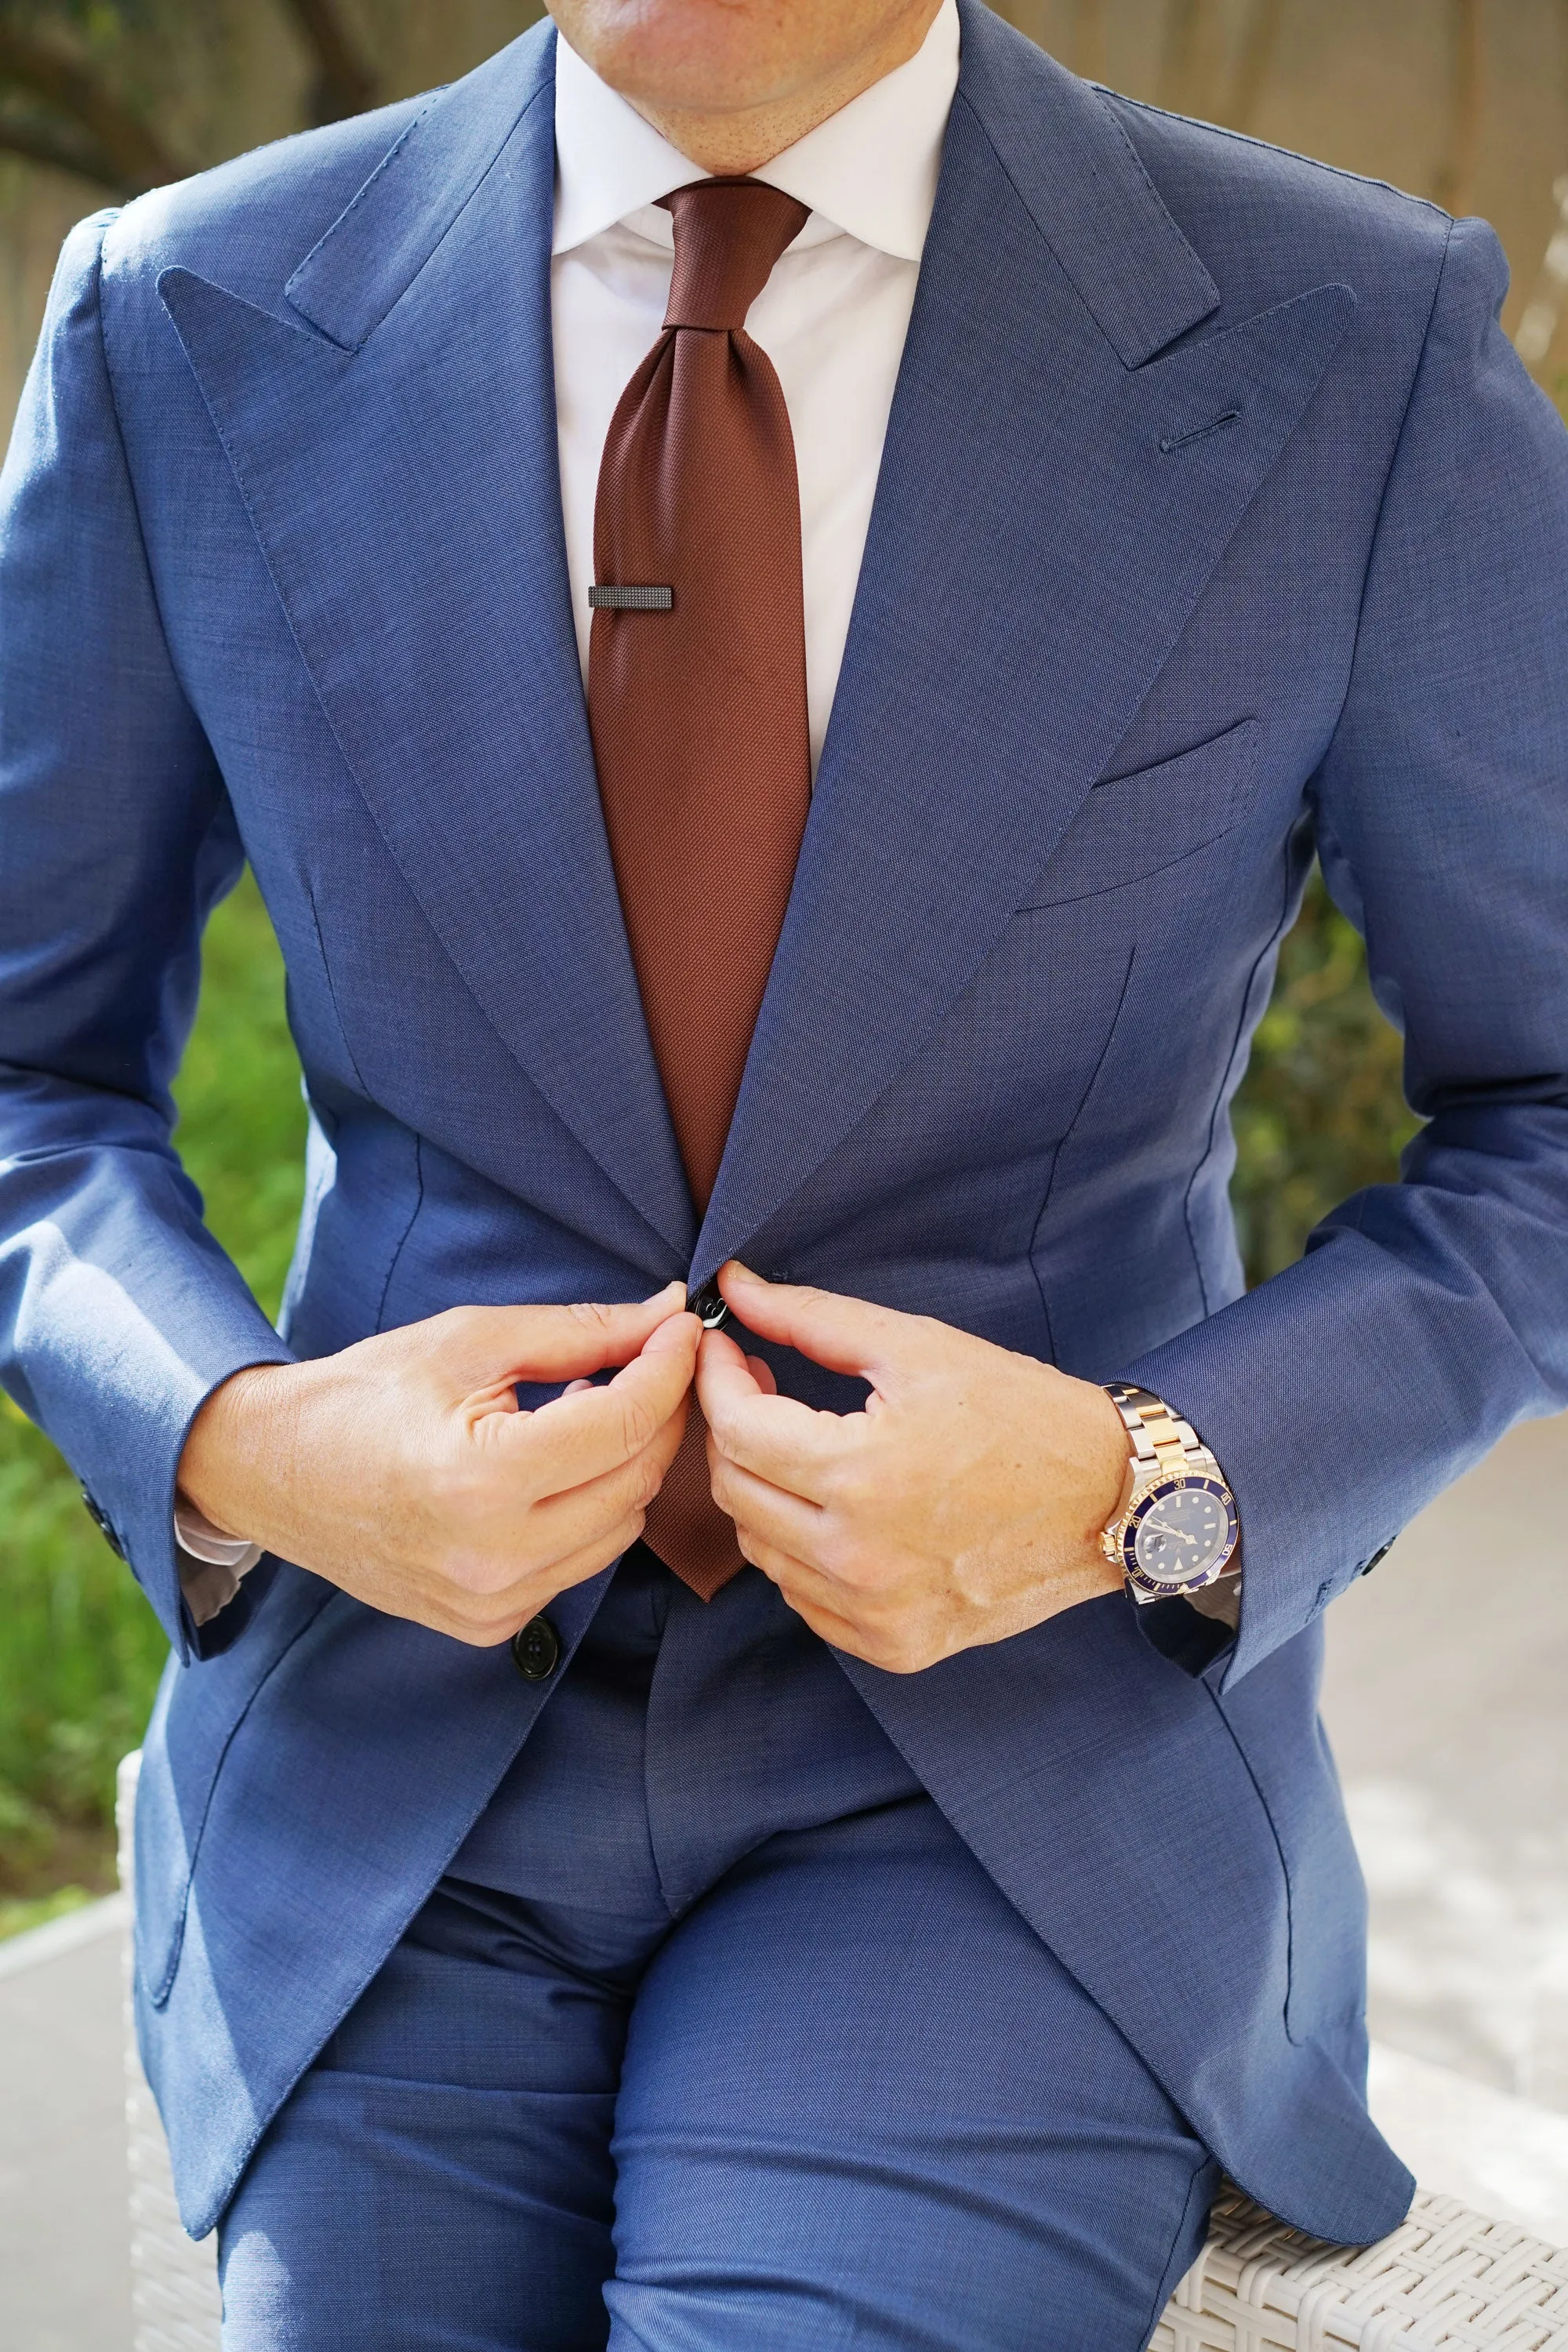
[[1104, 1487], [221, 1466], [1110, 1463]]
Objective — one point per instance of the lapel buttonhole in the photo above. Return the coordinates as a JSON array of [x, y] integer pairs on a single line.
[[1170, 442]]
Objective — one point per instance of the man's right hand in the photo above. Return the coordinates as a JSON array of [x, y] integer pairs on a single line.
[[402, 1471]]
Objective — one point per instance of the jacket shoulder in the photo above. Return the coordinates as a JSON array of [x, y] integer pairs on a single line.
[[1268, 222], [247, 224]]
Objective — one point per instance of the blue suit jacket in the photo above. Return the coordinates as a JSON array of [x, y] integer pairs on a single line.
[[1217, 521]]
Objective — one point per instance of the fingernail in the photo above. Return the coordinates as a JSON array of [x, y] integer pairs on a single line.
[[733, 1265]]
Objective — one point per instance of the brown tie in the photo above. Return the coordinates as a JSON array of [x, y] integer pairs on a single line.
[[697, 707]]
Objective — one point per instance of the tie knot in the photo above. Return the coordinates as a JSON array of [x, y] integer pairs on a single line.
[[728, 236]]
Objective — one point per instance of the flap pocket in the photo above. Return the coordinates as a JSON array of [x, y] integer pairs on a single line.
[[199, 1708], [1134, 826]]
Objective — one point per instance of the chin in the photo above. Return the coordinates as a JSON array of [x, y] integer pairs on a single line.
[[703, 56]]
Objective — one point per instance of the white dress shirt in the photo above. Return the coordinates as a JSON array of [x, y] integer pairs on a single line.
[[832, 318]]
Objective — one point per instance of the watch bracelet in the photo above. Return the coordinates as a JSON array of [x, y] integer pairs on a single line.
[[1161, 1444]]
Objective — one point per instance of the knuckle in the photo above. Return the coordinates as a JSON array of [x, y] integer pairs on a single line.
[[841, 1557], [848, 1488], [644, 1478], [476, 1620], [475, 1577], [590, 1316], [639, 1424], [896, 1652], [448, 1486], [462, 1324]]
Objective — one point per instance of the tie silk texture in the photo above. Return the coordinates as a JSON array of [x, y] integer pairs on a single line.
[[698, 711]]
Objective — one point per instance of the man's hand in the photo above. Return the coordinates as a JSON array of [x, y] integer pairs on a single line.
[[964, 1504], [403, 1470]]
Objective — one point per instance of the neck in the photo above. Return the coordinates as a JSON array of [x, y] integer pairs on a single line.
[[739, 138]]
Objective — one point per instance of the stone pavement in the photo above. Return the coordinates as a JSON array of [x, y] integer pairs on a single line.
[[1445, 1702], [65, 2256]]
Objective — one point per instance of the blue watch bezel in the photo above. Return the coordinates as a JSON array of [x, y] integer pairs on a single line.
[[1161, 1588]]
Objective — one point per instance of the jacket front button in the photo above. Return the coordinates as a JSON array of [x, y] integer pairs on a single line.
[[708, 1306], [536, 1650]]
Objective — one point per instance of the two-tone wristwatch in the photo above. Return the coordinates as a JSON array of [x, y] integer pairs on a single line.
[[1178, 1531]]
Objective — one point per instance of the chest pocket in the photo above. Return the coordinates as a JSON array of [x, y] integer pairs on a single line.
[[1135, 825]]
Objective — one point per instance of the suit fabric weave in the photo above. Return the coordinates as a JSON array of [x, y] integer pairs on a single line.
[[1217, 521]]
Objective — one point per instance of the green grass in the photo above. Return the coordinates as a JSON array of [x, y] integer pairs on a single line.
[[81, 1651], [1319, 1114]]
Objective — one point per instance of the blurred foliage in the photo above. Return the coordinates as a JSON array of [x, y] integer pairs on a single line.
[[81, 1651], [1319, 1114], [85, 85], [131, 94], [17, 1913]]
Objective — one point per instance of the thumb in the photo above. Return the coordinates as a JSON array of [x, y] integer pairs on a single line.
[[579, 1436], [845, 1335]]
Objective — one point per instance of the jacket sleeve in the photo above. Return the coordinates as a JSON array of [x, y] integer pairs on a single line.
[[119, 1312], [1428, 1316]]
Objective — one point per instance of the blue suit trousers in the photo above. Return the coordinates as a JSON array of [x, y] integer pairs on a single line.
[[713, 2034]]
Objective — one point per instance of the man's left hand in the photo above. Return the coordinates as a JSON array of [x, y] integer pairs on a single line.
[[963, 1503]]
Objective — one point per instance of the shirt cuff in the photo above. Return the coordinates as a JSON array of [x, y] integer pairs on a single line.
[[211, 1563]]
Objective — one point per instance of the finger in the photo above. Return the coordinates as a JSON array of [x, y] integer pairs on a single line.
[[577, 1438], [481, 1346], [762, 1371], [778, 1438], [809, 1595], [846, 1334], [767, 1513], [486, 1620], [558, 1523], [575, 1388]]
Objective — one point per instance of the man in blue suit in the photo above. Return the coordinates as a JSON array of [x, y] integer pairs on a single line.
[[1063, 521]]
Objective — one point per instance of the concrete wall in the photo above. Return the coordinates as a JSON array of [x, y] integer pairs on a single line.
[[1465, 101]]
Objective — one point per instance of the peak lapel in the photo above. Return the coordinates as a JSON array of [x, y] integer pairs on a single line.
[[1047, 512], [401, 477]]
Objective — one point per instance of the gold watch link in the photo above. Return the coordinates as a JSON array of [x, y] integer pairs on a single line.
[[1174, 1471]]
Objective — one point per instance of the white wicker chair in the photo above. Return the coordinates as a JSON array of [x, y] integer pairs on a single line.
[[1446, 2280]]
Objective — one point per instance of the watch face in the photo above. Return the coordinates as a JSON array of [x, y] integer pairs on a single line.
[[1184, 1530]]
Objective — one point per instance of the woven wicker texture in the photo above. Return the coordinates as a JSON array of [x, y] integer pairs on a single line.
[[1446, 2280], [173, 2283]]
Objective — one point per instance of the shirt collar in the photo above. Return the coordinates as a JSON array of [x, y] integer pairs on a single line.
[[870, 169]]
